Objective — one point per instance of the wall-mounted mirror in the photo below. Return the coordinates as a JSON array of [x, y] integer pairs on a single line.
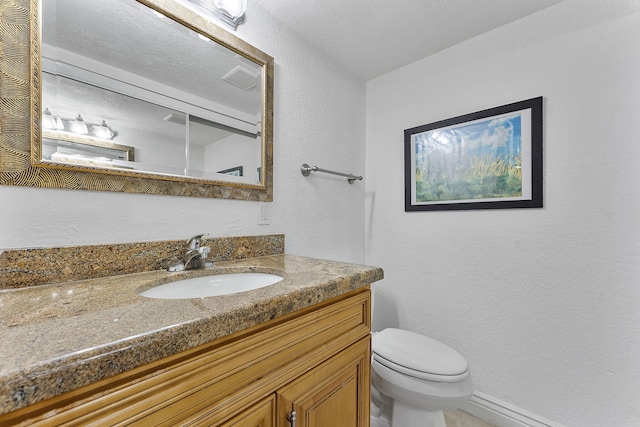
[[146, 96]]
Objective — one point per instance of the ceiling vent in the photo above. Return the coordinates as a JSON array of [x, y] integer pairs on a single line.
[[241, 77]]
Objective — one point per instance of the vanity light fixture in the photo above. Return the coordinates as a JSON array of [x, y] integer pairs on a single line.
[[231, 8], [231, 12]]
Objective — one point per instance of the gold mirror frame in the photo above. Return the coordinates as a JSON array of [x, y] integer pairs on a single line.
[[20, 115]]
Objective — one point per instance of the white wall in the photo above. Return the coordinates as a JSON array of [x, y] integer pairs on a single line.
[[319, 118], [232, 151], [545, 304]]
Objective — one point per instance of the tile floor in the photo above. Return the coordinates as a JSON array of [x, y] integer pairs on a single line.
[[453, 419], [462, 419]]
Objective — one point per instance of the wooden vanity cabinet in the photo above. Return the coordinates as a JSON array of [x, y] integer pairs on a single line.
[[262, 414], [314, 362], [329, 395]]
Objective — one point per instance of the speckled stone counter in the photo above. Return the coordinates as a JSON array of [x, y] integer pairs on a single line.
[[20, 268], [59, 337]]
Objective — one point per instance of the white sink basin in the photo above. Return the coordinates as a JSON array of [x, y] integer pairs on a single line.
[[210, 286]]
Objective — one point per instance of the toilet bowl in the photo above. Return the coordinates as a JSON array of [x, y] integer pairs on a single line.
[[417, 377]]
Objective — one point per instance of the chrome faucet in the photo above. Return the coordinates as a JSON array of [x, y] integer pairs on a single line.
[[194, 256]]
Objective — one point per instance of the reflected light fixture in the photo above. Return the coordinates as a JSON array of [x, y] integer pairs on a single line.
[[48, 121], [79, 126], [75, 126], [59, 123], [103, 131]]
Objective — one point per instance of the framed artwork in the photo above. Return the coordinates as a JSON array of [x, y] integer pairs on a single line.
[[491, 159]]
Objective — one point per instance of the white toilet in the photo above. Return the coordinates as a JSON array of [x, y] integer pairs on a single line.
[[415, 378]]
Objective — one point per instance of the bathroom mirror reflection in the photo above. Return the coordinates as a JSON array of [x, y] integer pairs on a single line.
[[180, 100]]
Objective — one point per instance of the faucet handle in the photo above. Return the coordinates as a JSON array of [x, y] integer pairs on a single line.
[[194, 242], [204, 251]]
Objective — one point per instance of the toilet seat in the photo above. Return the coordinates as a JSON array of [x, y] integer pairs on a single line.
[[418, 356]]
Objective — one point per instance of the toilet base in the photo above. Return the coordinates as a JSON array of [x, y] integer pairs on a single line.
[[404, 415]]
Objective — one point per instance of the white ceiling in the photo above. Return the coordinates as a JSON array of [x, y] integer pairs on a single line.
[[373, 37]]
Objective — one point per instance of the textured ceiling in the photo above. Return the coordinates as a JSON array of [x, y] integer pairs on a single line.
[[373, 37]]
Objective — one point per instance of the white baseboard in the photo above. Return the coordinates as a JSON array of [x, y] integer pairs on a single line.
[[503, 414]]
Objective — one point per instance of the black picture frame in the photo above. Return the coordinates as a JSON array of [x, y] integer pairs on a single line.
[[490, 159], [235, 171]]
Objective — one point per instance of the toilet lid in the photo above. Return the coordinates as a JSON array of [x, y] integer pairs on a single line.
[[418, 356]]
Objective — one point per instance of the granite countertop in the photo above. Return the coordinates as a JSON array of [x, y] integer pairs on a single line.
[[59, 337]]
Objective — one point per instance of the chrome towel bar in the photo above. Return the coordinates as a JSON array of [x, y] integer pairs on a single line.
[[306, 170]]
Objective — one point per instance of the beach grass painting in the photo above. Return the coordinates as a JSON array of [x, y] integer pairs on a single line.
[[477, 161], [485, 158]]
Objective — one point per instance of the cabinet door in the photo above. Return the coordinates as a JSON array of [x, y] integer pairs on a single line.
[[335, 393], [262, 414]]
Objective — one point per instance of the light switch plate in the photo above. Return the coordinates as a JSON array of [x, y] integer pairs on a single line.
[[263, 213]]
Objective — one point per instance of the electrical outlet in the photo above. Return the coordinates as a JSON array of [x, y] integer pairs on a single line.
[[263, 213]]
